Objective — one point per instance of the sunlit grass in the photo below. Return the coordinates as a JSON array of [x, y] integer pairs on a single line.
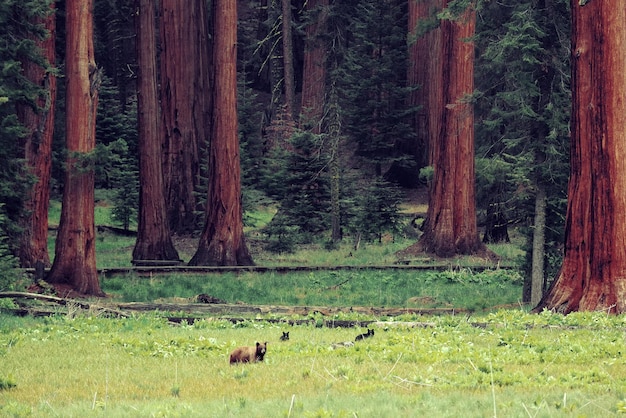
[[87, 366]]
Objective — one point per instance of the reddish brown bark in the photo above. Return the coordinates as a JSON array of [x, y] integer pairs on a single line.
[[75, 252], [153, 235], [38, 151], [290, 90], [314, 71], [450, 227], [222, 241], [592, 274], [424, 41], [185, 101]]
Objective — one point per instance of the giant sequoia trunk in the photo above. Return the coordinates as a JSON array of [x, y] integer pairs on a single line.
[[422, 38], [75, 251], [38, 151], [314, 68], [185, 101], [592, 274], [290, 90], [153, 234], [222, 241], [450, 227]]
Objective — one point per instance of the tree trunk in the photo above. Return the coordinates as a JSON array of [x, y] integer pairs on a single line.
[[38, 151], [334, 136], [222, 241], [314, 71], [153, 235], [75, 252], [539, 239], [423, 37], [592, 274], [450, 226], [185, 101], [290, 91]]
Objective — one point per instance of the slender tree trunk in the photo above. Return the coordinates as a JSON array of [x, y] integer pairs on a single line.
[[38, 151], [314, 71], [222, 240], [592, 274], [75, 252], [539, 240], [185, 101], [450, 227], [153, 235], [290, 91], [334, 136]]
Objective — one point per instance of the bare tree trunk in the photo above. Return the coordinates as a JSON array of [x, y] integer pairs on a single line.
[[450, 227], [423, 41], [38, 151], [334, 136], [539, 240], [75, 252], [185, 101], [290, 91], [592, 274], [153, 235], [314, 71], [222, 241]]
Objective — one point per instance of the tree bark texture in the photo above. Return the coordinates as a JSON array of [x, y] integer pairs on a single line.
[[153, 234], [593, 274], [222, 241], [314, 68], [185, 101], [539, 240], [290, 90], [423, 37], [37, 147], [450, 227], [75, 251]]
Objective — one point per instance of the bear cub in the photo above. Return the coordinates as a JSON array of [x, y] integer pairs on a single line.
[[248, 354], [370, 333], [285, 336]]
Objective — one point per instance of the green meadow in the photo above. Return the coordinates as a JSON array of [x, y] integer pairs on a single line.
[[503, 364]]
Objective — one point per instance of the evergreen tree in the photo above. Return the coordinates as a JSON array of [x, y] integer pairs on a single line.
[[304, 194], [372, 82], [368, 65], [19, 32], [524, 106]]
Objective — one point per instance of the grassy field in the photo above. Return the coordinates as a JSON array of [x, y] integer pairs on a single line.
[[504, 364], [485, 362], [460, 289]]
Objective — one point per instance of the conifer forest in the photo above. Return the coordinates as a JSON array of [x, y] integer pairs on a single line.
[[509, 115]]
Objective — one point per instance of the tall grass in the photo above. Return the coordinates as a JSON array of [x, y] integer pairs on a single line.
[[396, 288], [513, 367]]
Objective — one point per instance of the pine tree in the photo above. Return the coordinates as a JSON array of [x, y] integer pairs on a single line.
[[22, 28], [524, 109]]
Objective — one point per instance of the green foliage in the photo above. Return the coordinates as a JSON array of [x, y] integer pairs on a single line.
[[19, 33], [8, 262], [375, 211], [303, 192], [522, 72], [371, 80], [7, 383]]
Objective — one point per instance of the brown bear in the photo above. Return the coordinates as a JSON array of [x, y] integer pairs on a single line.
[[248, 354]]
